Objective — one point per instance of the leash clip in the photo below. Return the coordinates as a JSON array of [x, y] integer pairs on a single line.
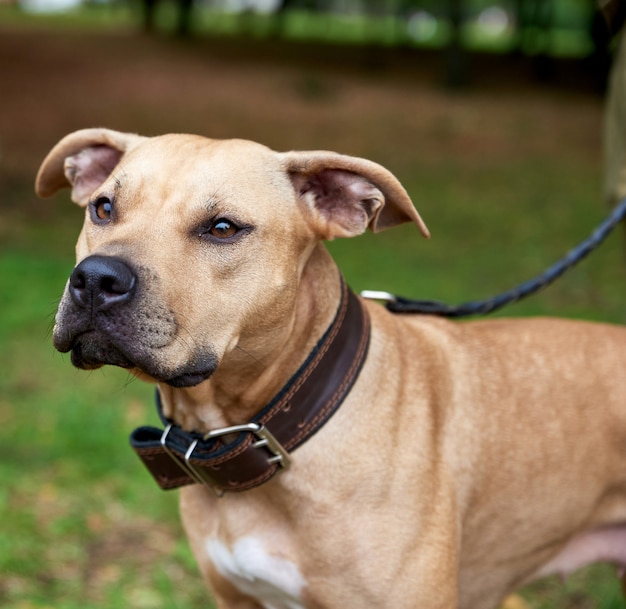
[[378, 295]]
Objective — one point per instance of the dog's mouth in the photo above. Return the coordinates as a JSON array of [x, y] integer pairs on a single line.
[[88, 353], [90, 350]]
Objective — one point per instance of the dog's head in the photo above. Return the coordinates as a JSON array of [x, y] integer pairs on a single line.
[[190, 245]]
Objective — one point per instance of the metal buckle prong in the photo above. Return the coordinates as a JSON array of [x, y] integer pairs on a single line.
[[281, 456]]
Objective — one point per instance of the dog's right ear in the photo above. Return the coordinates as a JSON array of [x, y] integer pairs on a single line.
[[83, 160], [343, 195]]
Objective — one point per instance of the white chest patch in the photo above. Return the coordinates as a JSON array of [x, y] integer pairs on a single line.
[[275, 582]]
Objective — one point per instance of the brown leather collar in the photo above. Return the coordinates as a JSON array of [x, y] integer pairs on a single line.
[[244, 456]]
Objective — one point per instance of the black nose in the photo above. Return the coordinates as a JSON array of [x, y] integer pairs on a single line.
[[100, 282]]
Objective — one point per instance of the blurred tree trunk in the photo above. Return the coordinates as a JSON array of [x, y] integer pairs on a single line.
[[456, 75]]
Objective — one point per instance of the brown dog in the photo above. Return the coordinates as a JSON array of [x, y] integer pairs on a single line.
[[438, 464]]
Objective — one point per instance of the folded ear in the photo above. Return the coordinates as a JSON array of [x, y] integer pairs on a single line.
[[345, 195], [83, 160]]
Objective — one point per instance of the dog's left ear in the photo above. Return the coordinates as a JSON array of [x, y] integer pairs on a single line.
[[83, 160], [344, 195]]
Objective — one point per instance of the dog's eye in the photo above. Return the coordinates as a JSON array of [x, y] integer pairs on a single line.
[[102, 208], [223, 229]]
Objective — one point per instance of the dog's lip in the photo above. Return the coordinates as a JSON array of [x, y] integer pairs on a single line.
[[194, 372], [114, 357], [91, 358], [91, 348], [188, 379]]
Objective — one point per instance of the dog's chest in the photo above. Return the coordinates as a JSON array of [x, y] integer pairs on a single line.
[[272, 580]]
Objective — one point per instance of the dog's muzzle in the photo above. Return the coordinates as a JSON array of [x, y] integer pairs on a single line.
[[109, 315], [91, 322]]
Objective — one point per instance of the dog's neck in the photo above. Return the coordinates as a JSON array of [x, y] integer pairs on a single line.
[[244, 383]]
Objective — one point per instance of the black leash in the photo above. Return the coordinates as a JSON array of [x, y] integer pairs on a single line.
[[397, 304]]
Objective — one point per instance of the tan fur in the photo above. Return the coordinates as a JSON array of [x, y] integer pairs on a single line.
[[468, 458]]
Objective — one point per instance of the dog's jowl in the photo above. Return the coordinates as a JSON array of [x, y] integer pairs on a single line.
[[332, 455]]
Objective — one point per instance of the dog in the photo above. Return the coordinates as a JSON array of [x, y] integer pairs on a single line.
[[332, 454]]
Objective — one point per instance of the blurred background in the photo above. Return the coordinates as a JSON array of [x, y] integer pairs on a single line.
[[490, 113]]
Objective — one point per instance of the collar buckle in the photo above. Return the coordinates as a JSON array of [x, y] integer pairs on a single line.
[[264, 439]]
